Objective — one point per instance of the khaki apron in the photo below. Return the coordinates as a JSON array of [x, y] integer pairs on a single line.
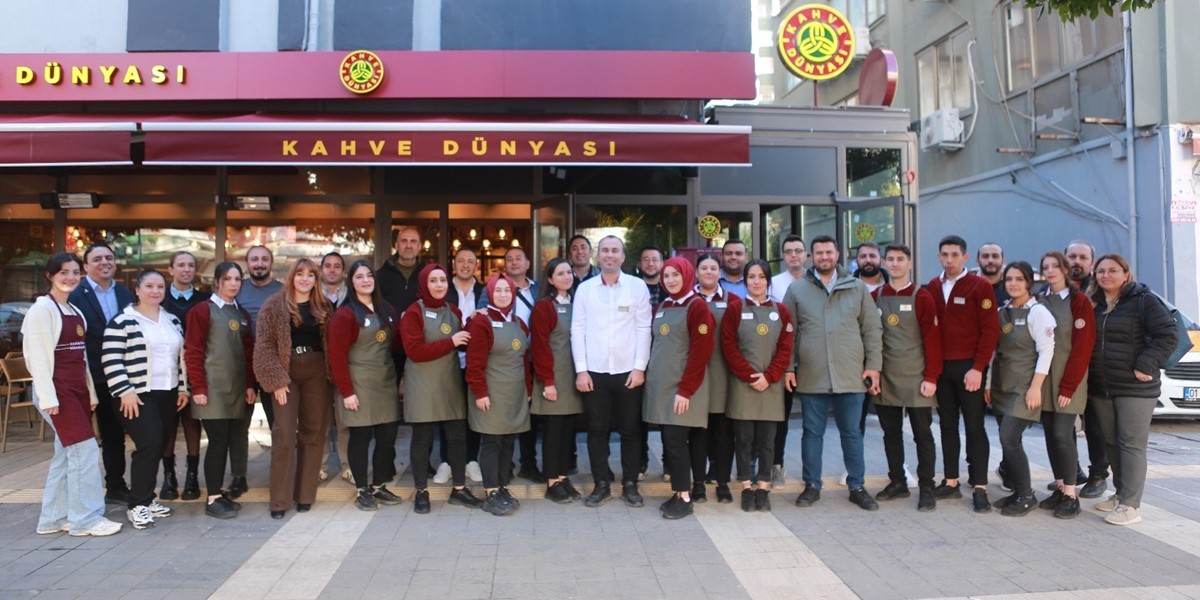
[[758, 336], [717, 373], [373, 375], [433, 390], [569, 401], [1012, 371], [505, 374], [668, 355], [225, 364], [903, 354], [1060, 308]]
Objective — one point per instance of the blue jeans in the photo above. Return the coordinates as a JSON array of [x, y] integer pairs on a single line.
[[74, 487], [847, 413]]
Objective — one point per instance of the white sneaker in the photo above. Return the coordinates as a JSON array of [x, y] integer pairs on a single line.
[[322, 475], [1110, 504], [159, 511], [843, 478], [1123, 515], [100, 528], [443, 473], [473, 472], [348, 477], [778, 476], [140, 517], [666, 477], [63, 528], [908, 477]]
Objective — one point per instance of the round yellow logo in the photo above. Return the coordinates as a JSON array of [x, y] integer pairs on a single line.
[[703, 329], [516, 344], [1006, 328], [986, 304], [864, 232], [79, 330], [665, 329], [234, 325], [381, 336], [709, 227], [761, 329], [361, 72], [446, 328], [815, 41], [893, 319]]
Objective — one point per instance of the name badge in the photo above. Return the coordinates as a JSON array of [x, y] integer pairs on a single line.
[[720, 304], [623, 309], [1019, 322], [906, 308], [960, 300], [562, 310], [659, 315], [430, 314], [747, 316], [497, 325]]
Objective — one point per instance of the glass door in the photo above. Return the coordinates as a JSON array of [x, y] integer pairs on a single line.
[[552, 219], [866, 221]]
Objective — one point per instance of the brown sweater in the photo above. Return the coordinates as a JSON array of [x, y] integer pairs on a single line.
[[273, 343]]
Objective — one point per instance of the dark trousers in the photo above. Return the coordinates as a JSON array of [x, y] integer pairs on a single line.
[[495, 459], [612, 406], [1016, 462], [298, 435], [1060, 445], [753, 438], [528, 442], [781, 431], [472, 436], [891, 420], [221, 434], [558, 441], [719, 449], [383, 460], [112, 438], [1097, 449], [191, 437], [156, 416], [678, 443], [239, 446], [954, 399], [454, 450]]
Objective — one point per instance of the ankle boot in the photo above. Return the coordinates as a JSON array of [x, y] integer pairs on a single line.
[[191, 483], [170, 485]]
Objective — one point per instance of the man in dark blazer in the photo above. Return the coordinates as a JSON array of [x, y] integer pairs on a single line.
[[100, 298]]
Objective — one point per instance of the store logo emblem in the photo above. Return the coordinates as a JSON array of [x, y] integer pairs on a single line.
[[361, 71], [816, 41]]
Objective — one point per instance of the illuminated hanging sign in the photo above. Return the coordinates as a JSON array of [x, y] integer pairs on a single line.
[[361, 71], [815, 41]]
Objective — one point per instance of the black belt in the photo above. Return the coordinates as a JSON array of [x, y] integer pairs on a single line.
[[305, 349]]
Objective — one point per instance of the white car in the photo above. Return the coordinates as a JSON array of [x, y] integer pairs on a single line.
[[1181, 385]]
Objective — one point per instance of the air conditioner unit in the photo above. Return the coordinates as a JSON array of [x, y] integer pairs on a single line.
[[862, 41], [942, 129]]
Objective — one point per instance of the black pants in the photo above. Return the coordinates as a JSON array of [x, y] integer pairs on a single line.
[[112, 437], [1016, 461], [719, 449], [472, 435], [781, 431], [678, 445], [558, 440], [221, 434], [1060, 445], [954, 399], [455, 450], [1097, 451], [156, 416], [528, 442], [495, 459], [891, 419], [613, 406], [239, 445], [383, 460], [753, 438]]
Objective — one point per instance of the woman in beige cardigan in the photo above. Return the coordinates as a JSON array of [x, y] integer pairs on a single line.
[[289, 351]]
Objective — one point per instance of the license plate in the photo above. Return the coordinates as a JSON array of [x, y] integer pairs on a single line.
[[1191, 393]]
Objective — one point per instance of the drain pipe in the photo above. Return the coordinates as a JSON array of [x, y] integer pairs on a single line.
[[1130, 165], [311, 31]]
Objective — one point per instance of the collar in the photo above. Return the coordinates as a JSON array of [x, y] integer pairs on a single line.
[[182, 294], [1028, 304], [133, 311], [944, 281], [1064, 294], [717, 295], [753, 302], [220, 302], [563, 299], [723, 277], [680, 301], [99, 288], [895, 289]]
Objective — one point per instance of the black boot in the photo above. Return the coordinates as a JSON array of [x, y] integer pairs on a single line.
[[170, 485], [191, 482]]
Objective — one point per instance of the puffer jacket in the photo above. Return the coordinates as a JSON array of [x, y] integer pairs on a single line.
[[1138, 333], [838, 334]]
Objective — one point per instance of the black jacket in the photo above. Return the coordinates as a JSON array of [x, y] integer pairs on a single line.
[[180, 308], [1138, 334], [479, 289], [400, 292], [85, 298]]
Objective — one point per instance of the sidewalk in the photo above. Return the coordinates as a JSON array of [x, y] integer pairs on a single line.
[[546, 550]]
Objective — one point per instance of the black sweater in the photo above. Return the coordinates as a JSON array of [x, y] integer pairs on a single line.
[[1138, 333]]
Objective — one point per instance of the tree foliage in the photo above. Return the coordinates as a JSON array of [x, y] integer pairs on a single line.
[[1070, 10]]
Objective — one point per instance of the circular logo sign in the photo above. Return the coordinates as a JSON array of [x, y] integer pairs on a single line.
[[234, 325], [761, 329], [864, 232], [665, 329], [986, 304], [1079, 323], [79, 330], [815, 41], [893, 319], [446, 328], [709, 227], [703, 329], [516, 344], [1006, 328], [381, 336], [361, 72]]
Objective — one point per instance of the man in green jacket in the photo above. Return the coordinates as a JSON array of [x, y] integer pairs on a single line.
[[839, 351]]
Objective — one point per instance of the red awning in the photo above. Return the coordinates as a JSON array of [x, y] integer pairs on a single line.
[[56, 140], [482, 140]]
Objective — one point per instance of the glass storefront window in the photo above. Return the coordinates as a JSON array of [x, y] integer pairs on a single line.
[[872, 172], [806, 221], [301, 238], [639, 225], [24, 248], [138, 248], [735, 226]]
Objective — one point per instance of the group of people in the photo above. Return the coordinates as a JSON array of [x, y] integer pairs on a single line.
[[711, 353]]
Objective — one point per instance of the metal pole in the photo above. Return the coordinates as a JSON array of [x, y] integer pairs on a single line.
[[1130, 165]]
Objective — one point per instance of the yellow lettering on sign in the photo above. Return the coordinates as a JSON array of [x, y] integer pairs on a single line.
[[81, 75], [52, 73], [180, 74], [377, 146], [449, 148], [133, 75], [404, 147], [536, 147], [612, 148], [562, 149], [479, 146], [158, 74], [589, 148], [289, 148], [349, 148], [25, 76], [508, 147], [318, 149], [108, 71]]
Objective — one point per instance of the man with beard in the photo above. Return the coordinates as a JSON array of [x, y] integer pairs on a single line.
[[1080, 255], [333, 278], [259, 261], [869, 270], [990, 259], [733, 263], [397, 279], [650, 268], [580, 252], [839, 351]]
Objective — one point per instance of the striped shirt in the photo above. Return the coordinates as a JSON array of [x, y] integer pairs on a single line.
[[130, 365]]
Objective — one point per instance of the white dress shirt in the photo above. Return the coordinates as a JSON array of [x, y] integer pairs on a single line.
[[162, 348], [948, 284], [780, 284], [610, 325]]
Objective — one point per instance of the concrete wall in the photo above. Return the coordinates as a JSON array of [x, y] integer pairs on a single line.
[[63, 26]]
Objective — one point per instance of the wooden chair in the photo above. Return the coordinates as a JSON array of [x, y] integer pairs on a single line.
[[14, 354], [17, 381]]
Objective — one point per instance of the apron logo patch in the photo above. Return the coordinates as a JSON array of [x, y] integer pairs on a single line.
[[381, 336], [773, 316], [234, 325], [893, 319], [445, 328], [703, 329], [1006, 328], [665, 329], [79, 330], [761, 329], [986, 304], [516, 344], [1079, 323]]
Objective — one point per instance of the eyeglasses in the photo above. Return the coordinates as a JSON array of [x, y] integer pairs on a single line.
[[793, 252]]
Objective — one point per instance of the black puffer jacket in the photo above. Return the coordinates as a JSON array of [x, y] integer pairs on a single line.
[[1138, 334]]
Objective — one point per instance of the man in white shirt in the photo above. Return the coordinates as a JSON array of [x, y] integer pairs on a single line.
[[610, 341], [794, 255]]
